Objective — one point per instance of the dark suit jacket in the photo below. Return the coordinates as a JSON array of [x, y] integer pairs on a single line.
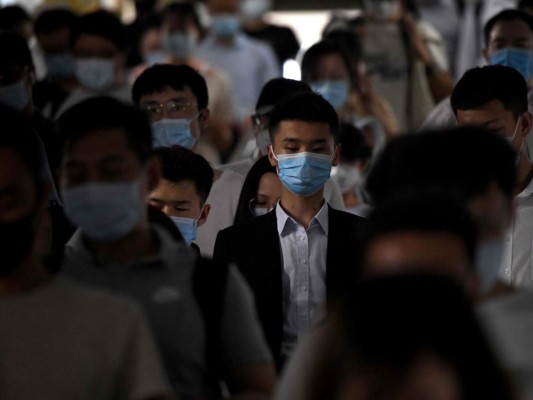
[[255, 247]]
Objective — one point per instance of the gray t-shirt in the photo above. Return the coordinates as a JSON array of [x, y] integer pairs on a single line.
[[61, 341], [163, 285]]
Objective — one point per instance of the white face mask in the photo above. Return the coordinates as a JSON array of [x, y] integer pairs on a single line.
[[105, 212], [96, 74], [15, 95], [346, 177]]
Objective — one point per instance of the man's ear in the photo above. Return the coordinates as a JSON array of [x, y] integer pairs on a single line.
[[204, 214], [203, 118], [153, 170], [526, 122], [270, 154], [336, 155]]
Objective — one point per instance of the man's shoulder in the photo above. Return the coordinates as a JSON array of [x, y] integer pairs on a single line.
[[345, 217]]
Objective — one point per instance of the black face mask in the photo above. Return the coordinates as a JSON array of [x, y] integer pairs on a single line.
[[16, 240]]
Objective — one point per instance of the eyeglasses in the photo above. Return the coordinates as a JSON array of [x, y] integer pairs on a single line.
[[261, 203], [174, 109]]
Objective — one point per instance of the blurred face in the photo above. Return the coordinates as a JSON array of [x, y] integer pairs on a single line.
[[177, 23], [150, 41], [100, 156], [428, 379], [331, 67], [175, 104], [405, 251], [494, 117], [93, 46], [509, 34], [223, 6], [179, 199], [268, 192], [55, 42]]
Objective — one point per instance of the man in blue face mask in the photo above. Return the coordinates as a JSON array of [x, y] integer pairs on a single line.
[[296, 256], [182, 192], [107, 173]]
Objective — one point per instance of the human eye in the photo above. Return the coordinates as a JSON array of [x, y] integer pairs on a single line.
[[156, 203]]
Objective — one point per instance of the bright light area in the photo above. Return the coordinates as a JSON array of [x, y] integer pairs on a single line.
[[291, 70]]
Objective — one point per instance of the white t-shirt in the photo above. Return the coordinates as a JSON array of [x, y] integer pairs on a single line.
[[60, 341]]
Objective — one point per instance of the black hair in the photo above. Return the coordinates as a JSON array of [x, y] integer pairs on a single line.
[[321, 49], [100, 23], [354, 146], [348, 40], [463, 160], [277, 89], [180, 163], [53, 19], [249, 189], [14, 50], [505, 16], [426, 212], [177, 77], [19, 135], [389, 324], [186, 10], [479, 86], [12, 16], [525, 4], [307, 107], [106, 113]]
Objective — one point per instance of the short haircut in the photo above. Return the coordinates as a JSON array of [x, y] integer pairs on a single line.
[[321, 49], [19, 135], [433, 211], [106, 113], [167, 76], [348, 39], [479, 86], [100, 23], [463, 160], [14, 50], [12, 16], [354, 146], [276, 90], [53, 19], [186, 10], [505, 16], [180, 164], [307, 107]]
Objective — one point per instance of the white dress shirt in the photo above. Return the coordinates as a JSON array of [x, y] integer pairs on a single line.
[[517, 267], [303, 253]]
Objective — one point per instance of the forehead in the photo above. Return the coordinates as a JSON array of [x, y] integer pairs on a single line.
[[99, 144], [223, 6], [440, 252], [88, 43], [186, 95], [510, 30], [184, 190], [493, 111], [302, 132]]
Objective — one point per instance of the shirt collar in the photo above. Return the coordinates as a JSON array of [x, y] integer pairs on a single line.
[[168, 250], [284, 221]]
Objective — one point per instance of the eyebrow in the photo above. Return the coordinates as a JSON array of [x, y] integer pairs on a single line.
[[294, 140]]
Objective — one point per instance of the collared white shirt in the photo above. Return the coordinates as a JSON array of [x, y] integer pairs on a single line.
[[303, 251], [517, 262]]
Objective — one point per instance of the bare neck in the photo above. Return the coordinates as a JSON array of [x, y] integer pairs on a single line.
[[302, 209]]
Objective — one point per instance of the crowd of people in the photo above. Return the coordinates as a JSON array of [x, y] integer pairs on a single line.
[[180, 221]]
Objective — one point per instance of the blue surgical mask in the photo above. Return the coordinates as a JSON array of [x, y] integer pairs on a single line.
[[305, 173], [96, 74], [179, 45], [15, 95], [105, 212], [187, 227], [488, 257], [169, 132], [155, 57], [225, 25], [519, 59], [255, 9], [60, 65], [336, 92]]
